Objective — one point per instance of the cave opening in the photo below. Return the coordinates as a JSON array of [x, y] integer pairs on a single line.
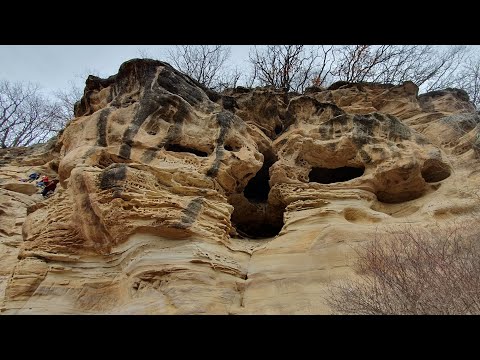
[[434, 170], [278, 129], [258, 187], [328, 176], [253, 216], [259, 229], [180, 148]]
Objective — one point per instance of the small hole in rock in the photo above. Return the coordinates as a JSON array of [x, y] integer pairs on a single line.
[[180, 148], [278, 129], [328, 176], [434, 170]]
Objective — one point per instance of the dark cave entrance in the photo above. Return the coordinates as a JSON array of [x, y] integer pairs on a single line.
[[328, 176], [267, 228], [278, 129], [434, 170], [258, 187], [253, 216]]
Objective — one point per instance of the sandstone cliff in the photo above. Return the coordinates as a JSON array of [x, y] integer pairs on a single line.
[[174, 199]]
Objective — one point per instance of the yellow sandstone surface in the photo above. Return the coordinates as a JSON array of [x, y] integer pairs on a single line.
[[174, 199]]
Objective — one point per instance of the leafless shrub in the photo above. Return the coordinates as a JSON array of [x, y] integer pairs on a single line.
[[414, 272]]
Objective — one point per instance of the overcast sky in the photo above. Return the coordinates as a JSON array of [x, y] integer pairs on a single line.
[[53, 66]]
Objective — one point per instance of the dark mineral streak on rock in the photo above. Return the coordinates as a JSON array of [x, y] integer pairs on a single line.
[[102, 127], [225, 120], [190, 213], [112, 175]]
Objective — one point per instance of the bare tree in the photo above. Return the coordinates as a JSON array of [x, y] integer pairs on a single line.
[[401, 63], [427, 65], [66, 100], [468, 79], [415, 272], [144, 54], [358, 63], [203, 63], [323, 68], [228, 79], [291, 67], [443, 66], [26, 117]]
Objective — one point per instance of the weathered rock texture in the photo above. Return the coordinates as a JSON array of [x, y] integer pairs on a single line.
[[174, 199]]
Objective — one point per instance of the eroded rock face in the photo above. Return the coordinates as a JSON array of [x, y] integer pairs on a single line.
[[174, 199]]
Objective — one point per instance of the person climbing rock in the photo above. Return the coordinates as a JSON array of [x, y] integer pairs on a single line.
[[44, 181], [50, 187], [33, 176]]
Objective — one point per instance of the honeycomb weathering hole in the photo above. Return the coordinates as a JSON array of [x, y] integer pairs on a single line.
[[180, 148], [434, 170], [328, 176]]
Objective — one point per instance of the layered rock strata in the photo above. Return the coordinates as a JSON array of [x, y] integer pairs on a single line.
[[174, 199]]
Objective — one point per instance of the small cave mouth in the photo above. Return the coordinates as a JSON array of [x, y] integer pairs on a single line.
[[434, 171], [328, 176], [180, 148], [233, 148], [278, 129], [400, 197], [258, 188], [259, 229], [256, 220], [253, 216]]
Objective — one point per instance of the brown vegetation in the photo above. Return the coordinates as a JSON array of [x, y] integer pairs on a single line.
[[414, 272]]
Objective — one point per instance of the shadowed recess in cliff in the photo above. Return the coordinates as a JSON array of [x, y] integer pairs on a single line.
[[258, 187], [253, 216], [267, 222], [434, 170], [328, 176], [185, 149]]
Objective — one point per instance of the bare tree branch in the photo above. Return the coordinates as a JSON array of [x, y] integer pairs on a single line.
[[289, 67], [204, 63], [66, 100], [422, 64], [26, 117]]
